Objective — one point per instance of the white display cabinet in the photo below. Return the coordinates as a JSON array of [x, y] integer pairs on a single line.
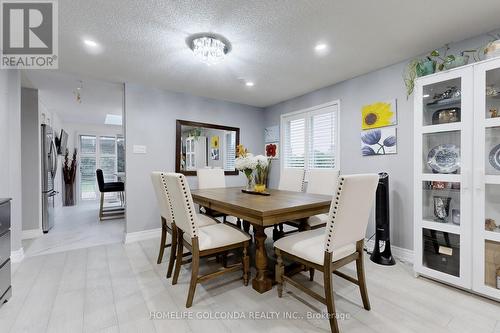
[[457, 177]]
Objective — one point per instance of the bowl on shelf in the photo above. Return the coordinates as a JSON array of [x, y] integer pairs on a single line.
[[444, 116]]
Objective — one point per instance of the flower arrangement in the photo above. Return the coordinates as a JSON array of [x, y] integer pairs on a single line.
[[248, 163], [69, 174], [261, 172]]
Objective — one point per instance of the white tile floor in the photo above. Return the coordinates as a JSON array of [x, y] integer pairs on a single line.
[[114, 287], [75, 228]]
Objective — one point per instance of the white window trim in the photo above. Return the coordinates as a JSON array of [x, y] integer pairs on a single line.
[[298, 114]]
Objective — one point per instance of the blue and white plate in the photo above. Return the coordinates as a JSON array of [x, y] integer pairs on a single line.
[[495, 157], [444, 158]]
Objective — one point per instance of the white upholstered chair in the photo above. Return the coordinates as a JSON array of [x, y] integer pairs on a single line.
[[202, 242], [167, 221], [339, 244], [320, 181], [291, 179], [214, 178]]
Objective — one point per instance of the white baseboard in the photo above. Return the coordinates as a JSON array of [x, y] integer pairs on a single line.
[[32, 233], [400, 253], [17, 256], [137, 236]]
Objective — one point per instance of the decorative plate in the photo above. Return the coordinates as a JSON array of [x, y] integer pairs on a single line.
[[444, 158], [495, 157]]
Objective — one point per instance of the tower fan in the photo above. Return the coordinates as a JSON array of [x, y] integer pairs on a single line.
[[382, 233]]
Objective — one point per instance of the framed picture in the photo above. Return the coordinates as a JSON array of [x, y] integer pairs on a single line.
[[272, 134], [214, 141], [382, 141], [272, 150], [379, 114], [215, 154]]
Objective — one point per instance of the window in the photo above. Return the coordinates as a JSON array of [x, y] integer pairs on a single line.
[[230, 153], [310, 138], [88, 165], [100, 152]]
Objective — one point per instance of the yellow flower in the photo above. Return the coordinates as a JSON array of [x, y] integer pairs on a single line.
[[241, 151], [377, 115]]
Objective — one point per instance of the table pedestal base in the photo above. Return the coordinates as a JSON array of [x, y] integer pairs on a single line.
[[262, 282]]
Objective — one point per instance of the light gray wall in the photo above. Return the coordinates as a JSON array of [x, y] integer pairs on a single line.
[[150, 121], [30, 158], [383, 84], [10, 149]]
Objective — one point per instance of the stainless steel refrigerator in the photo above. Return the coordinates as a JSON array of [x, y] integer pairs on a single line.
[[49, 169]]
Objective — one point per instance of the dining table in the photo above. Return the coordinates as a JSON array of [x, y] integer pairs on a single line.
[[262, 211]]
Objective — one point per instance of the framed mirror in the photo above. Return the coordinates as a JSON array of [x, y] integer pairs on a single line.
[[200, 145]]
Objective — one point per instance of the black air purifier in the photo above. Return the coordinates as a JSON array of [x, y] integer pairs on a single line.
[[382, 233]]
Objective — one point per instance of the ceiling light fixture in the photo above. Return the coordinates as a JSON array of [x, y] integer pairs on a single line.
[[249, 84], [209, 48], [90, 43], [321, 47]]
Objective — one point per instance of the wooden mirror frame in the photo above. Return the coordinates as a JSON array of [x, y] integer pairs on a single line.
[[178, 143]]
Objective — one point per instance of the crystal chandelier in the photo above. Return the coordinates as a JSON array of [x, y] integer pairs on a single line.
[[210, 49]]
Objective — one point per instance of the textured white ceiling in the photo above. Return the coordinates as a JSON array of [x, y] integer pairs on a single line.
[[57, 92], [272, 41]]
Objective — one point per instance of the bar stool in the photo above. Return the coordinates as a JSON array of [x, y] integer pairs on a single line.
[[109, 213]]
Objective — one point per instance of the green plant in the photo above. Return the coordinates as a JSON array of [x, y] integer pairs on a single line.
[[410, 75], [445, 58]]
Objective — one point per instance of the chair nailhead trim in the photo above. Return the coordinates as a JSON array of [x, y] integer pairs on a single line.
[[329, 244]]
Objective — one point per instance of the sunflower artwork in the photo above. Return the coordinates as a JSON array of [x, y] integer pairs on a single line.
[[381, 141], [380, 114]]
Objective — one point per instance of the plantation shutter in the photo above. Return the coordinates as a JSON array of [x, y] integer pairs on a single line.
[[295, 143], [230, 154], [310, 139], [322, 140]]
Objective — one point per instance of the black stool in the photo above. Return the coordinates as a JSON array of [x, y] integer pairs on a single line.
[[112, 212]]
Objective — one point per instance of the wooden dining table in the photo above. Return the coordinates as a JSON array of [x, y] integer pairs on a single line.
[[262, 212]]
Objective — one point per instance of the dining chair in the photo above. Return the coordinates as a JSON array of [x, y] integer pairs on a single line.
[[320, 181], [168, 223], [202, 242], [214, 178], [340, 243], [291, 179]]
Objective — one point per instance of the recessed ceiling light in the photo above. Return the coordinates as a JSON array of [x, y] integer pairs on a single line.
[[426, 95], [90, 43], [249, 84], [113, 119], [321, 47]]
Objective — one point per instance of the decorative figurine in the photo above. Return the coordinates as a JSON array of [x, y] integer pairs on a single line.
[[494, 112], [490, 225]]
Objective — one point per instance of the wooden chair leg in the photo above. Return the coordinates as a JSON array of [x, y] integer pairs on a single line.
[[279, 271], [238, 223], [178, 259], [275, 233], [246, 265], [246, 227], [101, 206], [163, 240], [195, 265], [360, 269], [173, 252], [330, 304], [311, 274]]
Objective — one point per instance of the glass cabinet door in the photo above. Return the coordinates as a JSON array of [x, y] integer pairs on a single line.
[[486, 225], [443, 156]]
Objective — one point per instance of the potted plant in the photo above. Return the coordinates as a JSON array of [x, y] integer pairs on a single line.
[[426, 66]]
